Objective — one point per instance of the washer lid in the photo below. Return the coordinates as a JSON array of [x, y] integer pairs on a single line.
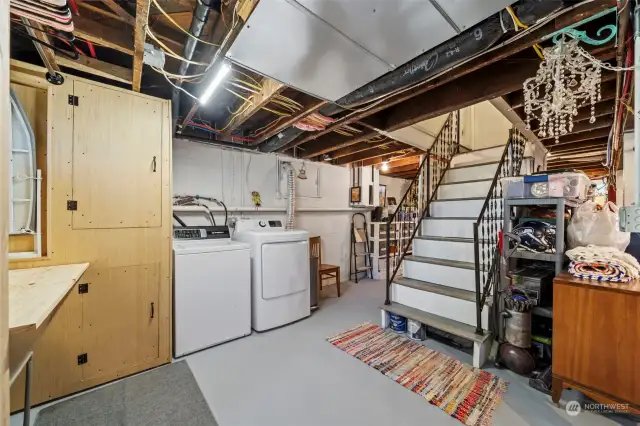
[[207, 246]]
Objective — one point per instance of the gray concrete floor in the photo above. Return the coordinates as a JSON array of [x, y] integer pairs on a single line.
[[292, 376]]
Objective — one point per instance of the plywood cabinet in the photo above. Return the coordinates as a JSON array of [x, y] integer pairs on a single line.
[[117, 140], [101, 155]]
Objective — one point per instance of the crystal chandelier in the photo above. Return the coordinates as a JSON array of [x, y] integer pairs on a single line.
[[567, 79]]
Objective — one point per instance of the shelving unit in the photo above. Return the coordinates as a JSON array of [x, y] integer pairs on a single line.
[[558, 258], [400, 236]]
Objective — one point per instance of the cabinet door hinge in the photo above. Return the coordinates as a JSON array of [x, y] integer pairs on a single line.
[[83, 359], [72, 205], [83, 288], [73, 100]]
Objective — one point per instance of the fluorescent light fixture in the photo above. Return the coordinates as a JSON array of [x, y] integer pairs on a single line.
[[222, 73], [385, 166]]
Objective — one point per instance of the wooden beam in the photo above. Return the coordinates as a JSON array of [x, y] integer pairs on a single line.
[[103, 35], [359, 147], [97, 67], [497, 80], [290, 121], [371, 153], [333, 142], [121, 12], [400, 169], [89, 6], [386, 157], [526, 41], [578, 137], [584, 113], [578, 146], [585, 126], [270, 88], [139, 36], [41, 35]]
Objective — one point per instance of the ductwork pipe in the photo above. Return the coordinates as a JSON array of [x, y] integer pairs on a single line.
[[198, 22], [291, 194]]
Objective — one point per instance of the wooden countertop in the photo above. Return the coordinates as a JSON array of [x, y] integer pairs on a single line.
[[632, 287], [36, 292]]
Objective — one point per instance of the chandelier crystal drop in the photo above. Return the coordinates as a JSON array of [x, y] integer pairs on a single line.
[[566, 80]]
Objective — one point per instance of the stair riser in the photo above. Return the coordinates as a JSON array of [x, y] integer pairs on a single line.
[[471, 173], [462, 190], [475, 157], [459, 208], [448, 228], [462, 278], [443, 250], [439, 304]]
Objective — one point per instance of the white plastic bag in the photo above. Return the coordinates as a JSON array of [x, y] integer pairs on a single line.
[[600, 228]]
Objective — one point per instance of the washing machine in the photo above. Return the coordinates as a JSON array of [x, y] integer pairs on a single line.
[[279, 272], [211, 289]]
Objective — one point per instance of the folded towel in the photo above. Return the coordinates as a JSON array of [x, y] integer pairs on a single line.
[[603, 264]]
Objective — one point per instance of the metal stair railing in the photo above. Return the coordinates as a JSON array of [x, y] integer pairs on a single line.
[[421, 192], [489, 224]]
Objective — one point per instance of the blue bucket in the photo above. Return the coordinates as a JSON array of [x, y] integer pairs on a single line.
[[397, 323]]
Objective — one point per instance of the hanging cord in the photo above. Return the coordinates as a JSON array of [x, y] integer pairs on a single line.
[[74, 55]]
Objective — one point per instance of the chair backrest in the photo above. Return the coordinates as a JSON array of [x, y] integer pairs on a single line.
[[315, 248]]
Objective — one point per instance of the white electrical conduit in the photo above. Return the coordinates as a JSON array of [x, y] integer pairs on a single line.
[[291, 194]]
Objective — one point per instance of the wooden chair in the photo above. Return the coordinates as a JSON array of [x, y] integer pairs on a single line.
[[324, 271]]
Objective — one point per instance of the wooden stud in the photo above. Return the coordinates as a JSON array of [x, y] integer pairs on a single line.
[[577, 137], [415, 160], [584, 126], [359, 147], [333, 142], [386, 157], [41, 35], [139, 36], [121, 12], [270, 88], [400, 169], [97, 67], [5, 146], [89, 6]]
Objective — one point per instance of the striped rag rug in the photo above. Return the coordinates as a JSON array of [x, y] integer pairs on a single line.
[[466, 393]]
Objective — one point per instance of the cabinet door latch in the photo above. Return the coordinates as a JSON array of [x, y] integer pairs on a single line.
[[73, 100], [72, 205], [83, 288], [83, 359]]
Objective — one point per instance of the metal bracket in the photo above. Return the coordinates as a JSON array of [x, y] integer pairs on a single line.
[[83, 359], [83, 288], [629, 218], [581, 35], [73, 100], [72, 205]]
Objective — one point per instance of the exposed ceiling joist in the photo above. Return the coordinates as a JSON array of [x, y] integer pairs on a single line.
[[119, 10], [608, 87], [399, 169], [584, 113], [526, 41], [372, 153], [47, 55], [270, 88], [97, 67], [413, 153], [577, 137], [333, 142], [415, 160], [139, 36], [585, 126], [102, 35], [290, 121], [359, 147]]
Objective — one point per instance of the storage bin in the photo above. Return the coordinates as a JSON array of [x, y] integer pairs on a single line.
[[571, 185], [513, 187]]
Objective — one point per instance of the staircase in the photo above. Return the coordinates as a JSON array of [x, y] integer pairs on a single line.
[[449, 278]]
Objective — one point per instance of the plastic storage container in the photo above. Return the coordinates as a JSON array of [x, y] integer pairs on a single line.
[[513, 187], [571, 185]]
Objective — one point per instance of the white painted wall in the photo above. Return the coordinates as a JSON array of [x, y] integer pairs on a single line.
[[395, 187], [483, 126], [230, 175]]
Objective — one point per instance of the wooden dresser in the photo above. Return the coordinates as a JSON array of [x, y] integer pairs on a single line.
[[596, 339]]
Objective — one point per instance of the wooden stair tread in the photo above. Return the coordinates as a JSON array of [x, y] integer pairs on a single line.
[[444, 290], [442, 262]]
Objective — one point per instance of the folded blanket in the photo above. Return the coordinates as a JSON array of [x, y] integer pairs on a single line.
[[603, 264]]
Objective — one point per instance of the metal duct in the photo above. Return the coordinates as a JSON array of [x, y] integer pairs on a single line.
[[291, 194], [447, 55], [198, 22]]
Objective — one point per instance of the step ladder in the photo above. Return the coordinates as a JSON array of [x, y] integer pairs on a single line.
[[360, 235]]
